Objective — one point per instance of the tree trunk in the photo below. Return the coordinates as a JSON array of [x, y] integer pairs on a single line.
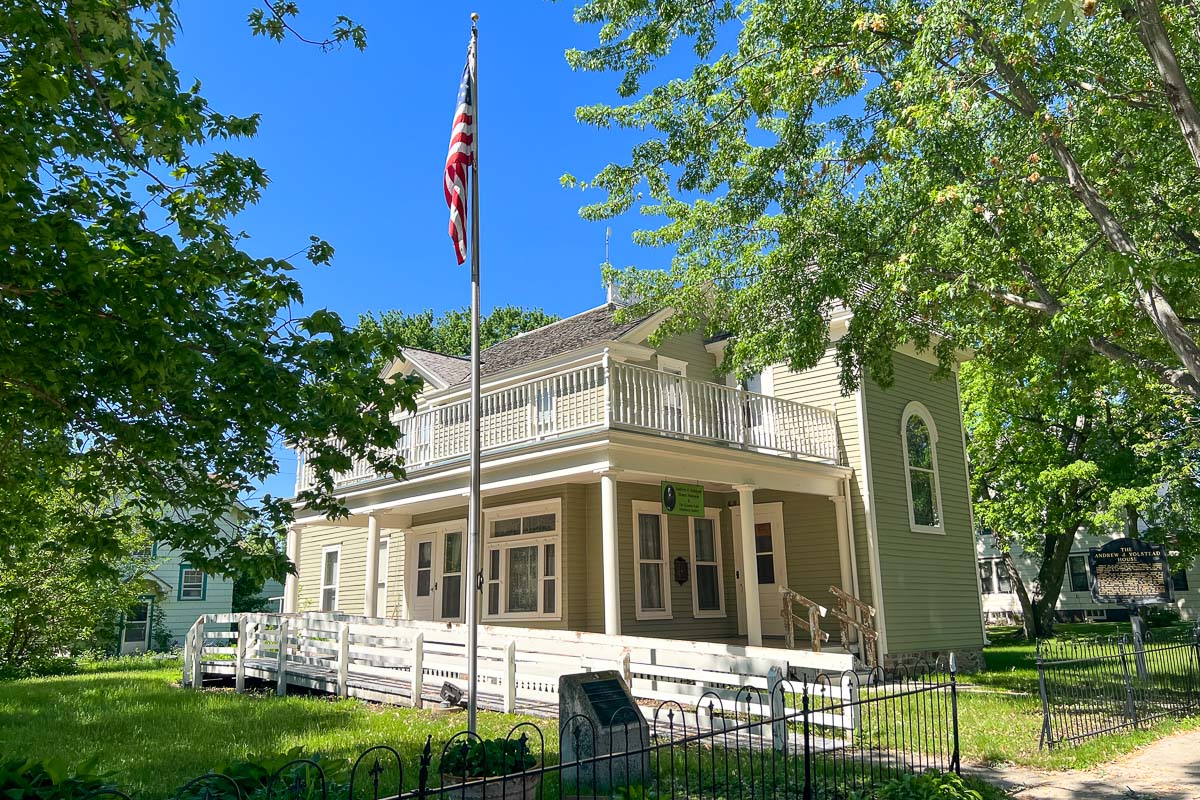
[[1053, 569], [1022, 591], [1153, 35]]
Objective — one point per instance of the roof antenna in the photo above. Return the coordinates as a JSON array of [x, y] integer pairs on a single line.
[[610, 293]]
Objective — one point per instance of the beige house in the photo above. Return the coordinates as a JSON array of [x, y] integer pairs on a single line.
[[583, 420]]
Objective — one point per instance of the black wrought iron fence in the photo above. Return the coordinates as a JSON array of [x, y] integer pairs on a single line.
[[1094, 686], [827, 738]]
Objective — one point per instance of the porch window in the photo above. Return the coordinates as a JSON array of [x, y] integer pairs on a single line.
[[651, 586], [521, 559], [193, 583], [918, 436], [708, 588], [330, 573], [1079, 574]]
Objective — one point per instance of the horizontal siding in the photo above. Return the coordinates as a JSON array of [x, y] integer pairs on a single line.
[[179, 615], [821, 386], [929, 581], [689, 347], [352, 569]]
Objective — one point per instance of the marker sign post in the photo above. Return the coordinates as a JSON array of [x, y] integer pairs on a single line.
[[1132, 573], [682, 499]]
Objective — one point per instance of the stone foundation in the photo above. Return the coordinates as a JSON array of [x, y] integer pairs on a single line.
[[968, 659]]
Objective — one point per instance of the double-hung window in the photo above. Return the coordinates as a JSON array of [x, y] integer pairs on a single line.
[[708, 587], [331, 558], [193, 583], [1179, 579], [523, 561], [652, 587], [1078, 568], [987, 575]]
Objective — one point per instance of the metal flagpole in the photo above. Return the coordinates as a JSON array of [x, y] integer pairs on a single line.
[[473, 509]]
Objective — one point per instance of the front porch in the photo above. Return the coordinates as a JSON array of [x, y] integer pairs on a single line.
[[584, 545]]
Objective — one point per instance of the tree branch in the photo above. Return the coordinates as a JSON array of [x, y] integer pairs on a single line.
[[1152, 33]]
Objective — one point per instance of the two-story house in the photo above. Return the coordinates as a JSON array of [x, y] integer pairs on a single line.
[[582, 421], [176, 594]]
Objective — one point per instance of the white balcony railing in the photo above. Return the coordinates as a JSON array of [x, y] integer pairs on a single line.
[[618, 395]]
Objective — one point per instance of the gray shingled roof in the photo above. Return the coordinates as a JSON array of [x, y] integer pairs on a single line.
[[550, 340], [451, 369]]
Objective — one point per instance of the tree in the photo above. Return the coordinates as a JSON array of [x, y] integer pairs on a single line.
[[970, 168], [54, 603], [450, 333], [149, 364], [1079, 444]]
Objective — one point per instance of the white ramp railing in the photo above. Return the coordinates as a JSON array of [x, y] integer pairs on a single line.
[[371, 657]]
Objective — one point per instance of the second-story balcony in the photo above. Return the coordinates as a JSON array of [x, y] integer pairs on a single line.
[[614, 395]]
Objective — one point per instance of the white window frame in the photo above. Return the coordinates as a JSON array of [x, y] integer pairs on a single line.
[[674, 366], [337, 578], [654, 509], [381, 580], [918, 409], [504, 544], [713, 514]]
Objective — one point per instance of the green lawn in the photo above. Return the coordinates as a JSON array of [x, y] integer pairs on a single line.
[[1000, 713], [131, 718], [152, 736]]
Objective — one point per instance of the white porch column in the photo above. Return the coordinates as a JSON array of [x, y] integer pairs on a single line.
[[611, 564], [749, 565], [291, 589], [371, 594]]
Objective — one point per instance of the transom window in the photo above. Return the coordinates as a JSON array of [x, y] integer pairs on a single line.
[[708, 585], [522, 561], [652, 588], [192, 583], [918, 435]]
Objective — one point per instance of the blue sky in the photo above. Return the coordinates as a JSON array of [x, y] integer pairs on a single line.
[[355, 143]]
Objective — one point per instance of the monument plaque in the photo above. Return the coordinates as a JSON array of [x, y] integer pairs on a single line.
[[1130, 572], [599, 718]]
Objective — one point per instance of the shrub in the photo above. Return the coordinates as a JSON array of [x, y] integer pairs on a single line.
[[932, 786], [1161, 616], [254, 777], [27, 779], [488, 758]]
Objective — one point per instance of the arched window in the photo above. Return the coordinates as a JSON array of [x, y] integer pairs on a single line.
[[919, 437]]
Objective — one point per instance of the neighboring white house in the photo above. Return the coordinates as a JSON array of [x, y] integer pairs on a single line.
[[177, 593], [1000, 603]]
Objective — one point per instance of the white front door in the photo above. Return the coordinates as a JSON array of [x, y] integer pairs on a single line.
[[421, 594], [772, 566]]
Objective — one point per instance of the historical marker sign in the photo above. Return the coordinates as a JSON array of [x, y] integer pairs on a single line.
[[1131, 572], [682, 499]]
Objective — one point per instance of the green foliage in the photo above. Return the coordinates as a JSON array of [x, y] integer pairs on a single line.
[[932, 786], [253, 778], [1161, 616], [931, 165], [1059, 446], [488, 757], [52, 779], [150, 363], [450, 333], [54, 605]]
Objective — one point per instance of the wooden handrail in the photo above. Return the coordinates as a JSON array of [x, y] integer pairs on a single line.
[[849, 612], [812, 623]]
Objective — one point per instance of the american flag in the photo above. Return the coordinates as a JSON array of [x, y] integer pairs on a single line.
[[460, 157]]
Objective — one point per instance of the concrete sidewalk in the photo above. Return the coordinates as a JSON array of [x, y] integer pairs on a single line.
[[1168, 769]]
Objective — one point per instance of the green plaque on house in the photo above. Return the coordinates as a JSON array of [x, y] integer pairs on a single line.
[[682, 499]]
